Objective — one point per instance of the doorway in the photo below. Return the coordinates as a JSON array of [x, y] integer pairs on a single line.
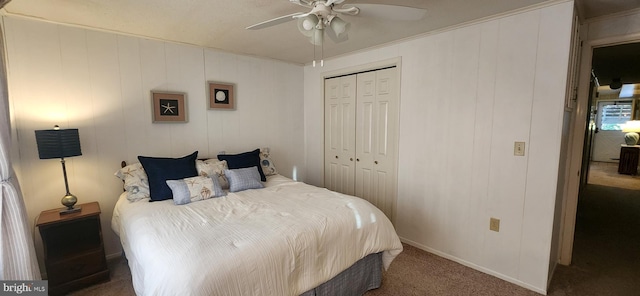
[[602, 251]]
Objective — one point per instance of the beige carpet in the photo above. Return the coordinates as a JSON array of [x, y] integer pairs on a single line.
[[606, 174], [606, 258]]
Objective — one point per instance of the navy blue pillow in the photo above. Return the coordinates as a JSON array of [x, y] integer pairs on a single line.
[[160, 169], [244, 160]]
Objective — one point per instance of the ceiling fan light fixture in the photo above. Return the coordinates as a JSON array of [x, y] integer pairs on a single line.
[[339, 26], [318, 37], [616, 83], [307, 25]]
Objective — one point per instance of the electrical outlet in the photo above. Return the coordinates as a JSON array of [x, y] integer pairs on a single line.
[[518, 149], [494, 224]]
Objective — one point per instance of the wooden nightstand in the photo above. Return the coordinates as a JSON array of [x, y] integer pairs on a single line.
[[73, 248], [629, 159]]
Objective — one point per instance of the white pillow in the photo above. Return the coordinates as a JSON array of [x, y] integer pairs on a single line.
[[243, 179], [213, 167], [135, 180], [194, 189]]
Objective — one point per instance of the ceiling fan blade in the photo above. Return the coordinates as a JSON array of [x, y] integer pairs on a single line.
[[352, 10], [330, 2], [390, 12], [275, 21], [304, 3]]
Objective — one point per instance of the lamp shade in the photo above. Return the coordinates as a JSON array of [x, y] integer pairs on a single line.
[[631, 126], [58, 143]]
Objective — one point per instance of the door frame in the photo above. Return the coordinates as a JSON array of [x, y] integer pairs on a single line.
[[570, 204]]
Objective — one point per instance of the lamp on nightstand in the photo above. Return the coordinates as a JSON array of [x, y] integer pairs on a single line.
[[60, 143], [632, 128]]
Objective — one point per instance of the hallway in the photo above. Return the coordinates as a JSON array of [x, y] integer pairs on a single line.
[[606, 254]]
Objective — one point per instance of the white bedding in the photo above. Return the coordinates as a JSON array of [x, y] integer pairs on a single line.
[[284, 239]]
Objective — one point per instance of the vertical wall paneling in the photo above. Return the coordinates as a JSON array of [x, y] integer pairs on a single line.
[[135, 102], [546, 134], [512, 117], [460, 137], [153, 64], [104, 128], [467, 94], [482, 138], [100, 83]]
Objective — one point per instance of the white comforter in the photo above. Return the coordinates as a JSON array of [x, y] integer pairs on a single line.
[[284, 239]]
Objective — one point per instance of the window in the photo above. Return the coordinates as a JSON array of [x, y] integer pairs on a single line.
[[613, 115]]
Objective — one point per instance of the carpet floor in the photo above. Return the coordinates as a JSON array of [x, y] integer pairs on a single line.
[[606, 259]]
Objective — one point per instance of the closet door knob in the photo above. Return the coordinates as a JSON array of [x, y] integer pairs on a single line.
[[357, 159], [336, 157], [376, 162], [351, 159]]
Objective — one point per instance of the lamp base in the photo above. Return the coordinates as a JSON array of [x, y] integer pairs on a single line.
[[68, 201], [70, 210], [631, 138]]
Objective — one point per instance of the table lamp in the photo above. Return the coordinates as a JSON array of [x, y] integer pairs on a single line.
[[631, 128], [60, 143]]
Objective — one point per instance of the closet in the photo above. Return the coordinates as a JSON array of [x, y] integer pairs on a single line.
[[361, 136]]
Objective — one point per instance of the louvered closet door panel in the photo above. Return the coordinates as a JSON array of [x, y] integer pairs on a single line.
[[376, 134], [340, 96]]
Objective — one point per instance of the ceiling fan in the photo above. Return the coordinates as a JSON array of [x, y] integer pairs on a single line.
[[323, 17]]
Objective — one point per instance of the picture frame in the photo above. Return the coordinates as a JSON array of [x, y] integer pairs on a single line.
[[221, 95], [168, 107]]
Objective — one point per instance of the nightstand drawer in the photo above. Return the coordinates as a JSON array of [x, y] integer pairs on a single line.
[[77, 267]]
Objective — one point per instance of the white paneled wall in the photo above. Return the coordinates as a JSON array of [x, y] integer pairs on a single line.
[[100, 83], [467, 94]]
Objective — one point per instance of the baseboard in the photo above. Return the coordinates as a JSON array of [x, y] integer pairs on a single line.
[[474, 266]]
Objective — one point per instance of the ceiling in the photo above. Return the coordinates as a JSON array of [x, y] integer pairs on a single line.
[[619, 61], [221, 24]]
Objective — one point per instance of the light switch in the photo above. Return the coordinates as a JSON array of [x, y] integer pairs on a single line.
[[518, 149]]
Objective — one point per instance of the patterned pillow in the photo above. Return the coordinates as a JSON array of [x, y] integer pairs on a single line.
[[213, 167], [268, 168], [135, 181], [243, 179], [194, 189]]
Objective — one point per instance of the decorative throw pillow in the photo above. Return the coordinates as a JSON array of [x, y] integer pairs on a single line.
[[135, 181], [213, 167], [243, 179], [160, 169], [194, 189], [244, 160], [268, 168]]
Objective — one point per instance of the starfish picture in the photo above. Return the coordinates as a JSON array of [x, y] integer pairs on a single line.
[[167, 108]]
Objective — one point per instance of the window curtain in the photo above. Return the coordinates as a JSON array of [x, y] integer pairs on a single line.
[[17, 253]]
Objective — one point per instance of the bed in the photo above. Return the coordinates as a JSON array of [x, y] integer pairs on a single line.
[[288, 238]]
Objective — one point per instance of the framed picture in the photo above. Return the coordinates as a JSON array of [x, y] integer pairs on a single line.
[[169, 106], [221, 95]]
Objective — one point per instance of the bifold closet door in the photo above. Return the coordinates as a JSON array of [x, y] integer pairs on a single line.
[[340, 122], [376, 138]]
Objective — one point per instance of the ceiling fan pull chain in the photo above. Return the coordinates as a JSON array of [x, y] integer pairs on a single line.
[[314, 50], [322, 54]]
